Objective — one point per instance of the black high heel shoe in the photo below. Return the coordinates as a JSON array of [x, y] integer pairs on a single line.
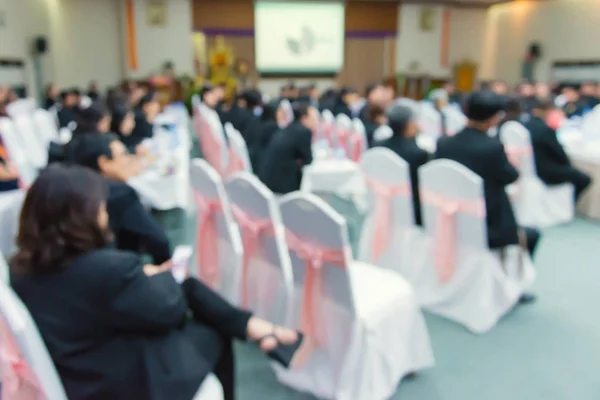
[[282, 353]]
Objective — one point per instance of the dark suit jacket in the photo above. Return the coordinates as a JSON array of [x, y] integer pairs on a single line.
[[133, 226], [143, 130], [289, 150], [66, 115], [485, 156], [408, 150], [112, 332], [551, 161]]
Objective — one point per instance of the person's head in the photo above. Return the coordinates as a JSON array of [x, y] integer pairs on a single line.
[[526, 89], [588, 89], [150, 106], [484, 110], [349, 95], [93, 119], [541, 108], [499, 87], [63, 216], [374, 94], [123, 121], [401, 120], [93, 88], [513, 108], [102, 153], [313, 92], [449, 88], [439, 97], [292, 91], [570, 93], [306, 115], [377, 114], [70, 98], [253, 99], [389, 93], [52, 91], [207, 95], [272, 112], [542, 90]]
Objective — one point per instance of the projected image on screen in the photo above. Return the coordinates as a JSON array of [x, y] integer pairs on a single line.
[[299, 37]]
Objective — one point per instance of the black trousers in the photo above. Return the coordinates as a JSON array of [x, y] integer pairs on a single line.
[[532, 238], [581, 181], [217, 322]]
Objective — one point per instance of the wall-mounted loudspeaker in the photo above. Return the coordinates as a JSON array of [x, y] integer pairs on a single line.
[[40, 45]]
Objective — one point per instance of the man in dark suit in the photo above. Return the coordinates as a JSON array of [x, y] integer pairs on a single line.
[[68, 106], [134, 228], [575, 106], [485, 156], [402, 122], [289, 151], [551, 162]]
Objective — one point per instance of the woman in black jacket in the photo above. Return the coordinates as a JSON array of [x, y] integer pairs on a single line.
[[118, 329]]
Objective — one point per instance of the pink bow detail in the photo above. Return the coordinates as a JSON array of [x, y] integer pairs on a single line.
[[327, 129], [315, 257], [445, 231], [383, 212], [19, 381], [252, 230], [343, 137], [207, 240], [210, 145], [236, 164], [356, 142], [516, 154]]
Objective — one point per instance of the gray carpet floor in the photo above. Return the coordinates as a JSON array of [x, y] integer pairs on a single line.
[[549, 350]]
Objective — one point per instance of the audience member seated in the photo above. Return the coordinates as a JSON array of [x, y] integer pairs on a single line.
[[499, 87], [543, 92], [575, 105], [512, 108], [588, 95], [376, 117], [134, 228], [9, 175], [289, 92], [439, 97], [238, 114], [114, 327], [271, 119], [374, 95], [289, 151], [551, 162], [402, 121], [68, 108], [526, 92], [148, 109], [94, 91], [347, 103], [485, 156], [51, 96]]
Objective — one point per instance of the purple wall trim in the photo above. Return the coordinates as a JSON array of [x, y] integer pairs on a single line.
[[250, 32]]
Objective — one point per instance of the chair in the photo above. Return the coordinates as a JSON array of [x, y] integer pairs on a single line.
[[28, 372], [207, 128], [382, 133], [328, 127], [45, 125], [389, 229], [358, 141], [288, 112], [4, 275], [455, 120], [429, 120], [33, 142], [219, 247], [266, 269], [17, 153], [343, 130], [536, 204], [362, 322], [210, 389], [455, 274], [239, 159]]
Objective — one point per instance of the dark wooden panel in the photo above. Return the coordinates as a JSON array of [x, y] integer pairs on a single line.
[[371, 16], [223, 14]]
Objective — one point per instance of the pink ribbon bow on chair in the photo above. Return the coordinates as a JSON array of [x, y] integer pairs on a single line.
[[343, 138], [315, 257], [327, 129], [236, 164], [207, 240], [445, 240], [516, 154], [252, 230], [356, 142], [383, 212], [18, 380]]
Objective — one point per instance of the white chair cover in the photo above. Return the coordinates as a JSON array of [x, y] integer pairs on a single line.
[[343, 130], [32, 141], [210, 389], [456, 121], [328, 127], [536, 204], [456, 275], [288, 112], [45, 125], [363, 344], [429, 120], [266, 268], [207, 126], [218, 243], [4, 275], [17, 152], [239, 158], [21, 107], [382, 133], [389, 229], [28, 373], [10, 210], [358, 142]]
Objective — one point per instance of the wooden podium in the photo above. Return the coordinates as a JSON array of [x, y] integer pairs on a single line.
[[465, 76]]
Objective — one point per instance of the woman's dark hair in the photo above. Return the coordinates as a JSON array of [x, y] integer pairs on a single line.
[[300, 110], [513, 108], [59, 219], [87, 118], [270, 111], [374, 112], [118, 115]]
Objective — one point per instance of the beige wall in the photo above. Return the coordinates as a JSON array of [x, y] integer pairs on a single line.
[[567, 30]]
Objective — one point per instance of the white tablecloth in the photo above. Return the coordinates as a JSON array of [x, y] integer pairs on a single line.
[[337, 176], [10, 209]]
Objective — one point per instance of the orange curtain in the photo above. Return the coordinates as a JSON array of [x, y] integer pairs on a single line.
[[131, 39]]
